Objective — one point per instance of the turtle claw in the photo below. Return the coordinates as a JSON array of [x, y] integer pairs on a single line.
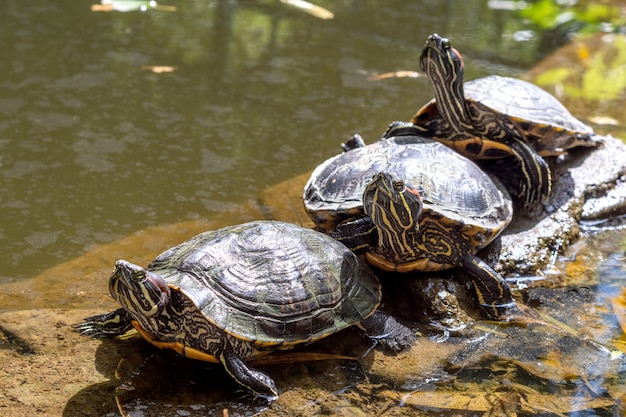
[[244, 394], [101, 326]]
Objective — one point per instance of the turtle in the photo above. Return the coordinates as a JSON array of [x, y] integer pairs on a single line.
[[242, 291], [410, 203], [496, 117]]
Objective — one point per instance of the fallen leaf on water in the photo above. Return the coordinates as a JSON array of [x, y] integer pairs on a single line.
[[101, 8], [553, 367], [558, 324], [619, 344], [603, 120], [485, 401], [395, 74], [310, 8], [158, 69]]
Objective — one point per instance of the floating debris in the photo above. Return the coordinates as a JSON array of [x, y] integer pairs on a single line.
[[604, 120], [130, 6], [310, 8], [395, 74], [159, 69]]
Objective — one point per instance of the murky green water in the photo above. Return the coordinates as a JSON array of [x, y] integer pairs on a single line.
[[93, 147]]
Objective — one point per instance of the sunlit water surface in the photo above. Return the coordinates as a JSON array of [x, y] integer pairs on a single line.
[[94, 146]]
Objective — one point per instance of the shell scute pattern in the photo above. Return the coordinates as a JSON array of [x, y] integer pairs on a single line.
[[549, 126], [248, 280], [453, 189]]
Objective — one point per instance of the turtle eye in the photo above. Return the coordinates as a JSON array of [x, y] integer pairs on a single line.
[[445, 43], [398, 185]]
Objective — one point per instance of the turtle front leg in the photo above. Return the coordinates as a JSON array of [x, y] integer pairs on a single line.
[[398, 128], [115, 323], [493, 292], [387, 331], [358, 235], [261, 384]]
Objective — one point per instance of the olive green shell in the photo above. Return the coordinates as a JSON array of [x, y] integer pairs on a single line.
[[453, 189], [548, 126], [271, 282]]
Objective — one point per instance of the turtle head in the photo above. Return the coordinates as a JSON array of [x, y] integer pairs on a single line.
[[444, 67], [395, 208], [440, 60], [139, 291]]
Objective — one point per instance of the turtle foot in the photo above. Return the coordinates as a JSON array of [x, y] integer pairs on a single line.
[[115, 323], [388, 332]]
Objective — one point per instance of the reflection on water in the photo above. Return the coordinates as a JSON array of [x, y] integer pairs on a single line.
[[92, 147]]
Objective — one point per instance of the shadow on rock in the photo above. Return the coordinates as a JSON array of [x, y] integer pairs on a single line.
[[99, 399], [152, 382], [155, 383]]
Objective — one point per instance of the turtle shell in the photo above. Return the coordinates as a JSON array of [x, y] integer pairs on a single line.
[[548, 126], [453, 188], [271, 282]]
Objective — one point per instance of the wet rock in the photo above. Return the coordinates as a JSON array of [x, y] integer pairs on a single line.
[[441, 306], [583, 182], [587, 184], [606, 211]]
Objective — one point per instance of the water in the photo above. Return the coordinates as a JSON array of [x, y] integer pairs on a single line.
[[93, 147]]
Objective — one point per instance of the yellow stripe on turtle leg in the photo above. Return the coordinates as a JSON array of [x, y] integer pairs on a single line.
[[493, 292], [535, 171]]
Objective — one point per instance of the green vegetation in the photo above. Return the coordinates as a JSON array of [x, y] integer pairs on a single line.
[[585, 16]]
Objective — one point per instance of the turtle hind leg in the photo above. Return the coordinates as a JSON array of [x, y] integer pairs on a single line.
[[388, 332], [261, 384], [100, 326], [493, 292], [535, 182], [526, 176]]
